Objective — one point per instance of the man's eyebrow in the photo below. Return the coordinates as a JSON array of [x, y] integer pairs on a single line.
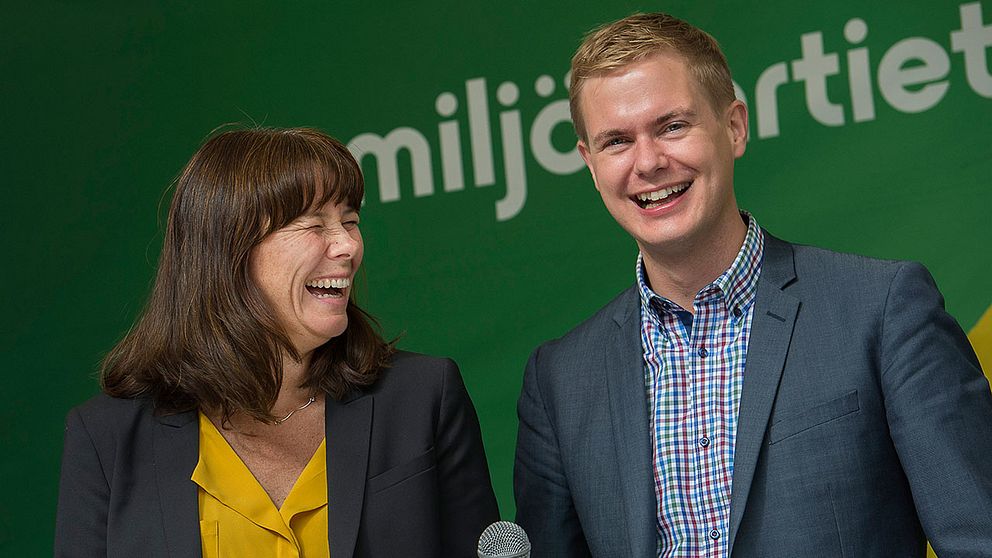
[[606, 135], [682, 112]]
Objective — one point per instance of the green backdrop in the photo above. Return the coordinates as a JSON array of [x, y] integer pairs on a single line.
[[870, 133]]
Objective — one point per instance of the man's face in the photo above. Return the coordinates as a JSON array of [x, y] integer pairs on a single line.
[[660, 155]]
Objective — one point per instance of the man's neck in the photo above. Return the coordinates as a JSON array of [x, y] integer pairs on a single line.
[[679, 275]]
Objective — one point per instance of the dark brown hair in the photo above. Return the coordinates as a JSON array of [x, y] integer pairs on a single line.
[[638, 36], [206, 338]]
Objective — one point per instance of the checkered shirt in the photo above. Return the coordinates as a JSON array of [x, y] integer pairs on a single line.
[[693, 378]]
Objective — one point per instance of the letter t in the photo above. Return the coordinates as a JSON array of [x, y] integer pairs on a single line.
[[813, 68], [973, 39]]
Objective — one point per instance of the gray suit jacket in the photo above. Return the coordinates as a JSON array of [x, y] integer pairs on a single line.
[[865, 423], [406, 473]]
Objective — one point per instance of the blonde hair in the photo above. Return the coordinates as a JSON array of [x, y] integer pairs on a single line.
[[638, 36]]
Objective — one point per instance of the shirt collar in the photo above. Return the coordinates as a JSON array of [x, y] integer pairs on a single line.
[[736, 284]]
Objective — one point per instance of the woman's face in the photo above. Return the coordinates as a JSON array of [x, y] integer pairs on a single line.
[[305, 271]]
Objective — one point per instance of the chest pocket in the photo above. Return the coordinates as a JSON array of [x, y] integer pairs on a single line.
[[815, 416], [395, 475]]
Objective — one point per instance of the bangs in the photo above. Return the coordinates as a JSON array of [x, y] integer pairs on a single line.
[[303, 169]]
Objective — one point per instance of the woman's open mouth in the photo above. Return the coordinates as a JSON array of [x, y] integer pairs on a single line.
[[328, 288]]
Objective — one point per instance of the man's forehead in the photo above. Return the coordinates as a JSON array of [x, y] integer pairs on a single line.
[[641, 79], [668, 57], [646, 75]]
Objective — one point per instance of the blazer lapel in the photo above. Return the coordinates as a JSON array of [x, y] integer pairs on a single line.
[[772, 324], [628, 408], [177, 449], [348, 426]]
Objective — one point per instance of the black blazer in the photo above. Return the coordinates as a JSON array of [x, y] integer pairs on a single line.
[[406, 472]]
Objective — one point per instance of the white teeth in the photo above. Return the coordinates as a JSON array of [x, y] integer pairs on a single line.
[[336, 283], [663, 193], [329, 295]]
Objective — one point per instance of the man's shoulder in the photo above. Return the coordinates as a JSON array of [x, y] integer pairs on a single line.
[[829, 275], [831, 259], [812, 262]]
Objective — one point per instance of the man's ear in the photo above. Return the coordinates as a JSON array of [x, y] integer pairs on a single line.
[[586, 156], [737, 126]]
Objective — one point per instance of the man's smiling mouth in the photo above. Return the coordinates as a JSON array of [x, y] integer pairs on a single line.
[[651, 200], [328, 288]]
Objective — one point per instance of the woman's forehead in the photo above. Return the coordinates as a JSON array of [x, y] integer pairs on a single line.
[[331, 207]]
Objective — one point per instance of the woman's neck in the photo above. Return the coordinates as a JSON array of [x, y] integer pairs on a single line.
[[292, 394]]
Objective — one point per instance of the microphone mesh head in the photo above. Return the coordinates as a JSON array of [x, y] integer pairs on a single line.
[[504, 539]]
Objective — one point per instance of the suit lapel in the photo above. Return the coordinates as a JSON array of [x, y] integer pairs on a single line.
[[177, 449], [772, 324], [348, 426], [628, 408]]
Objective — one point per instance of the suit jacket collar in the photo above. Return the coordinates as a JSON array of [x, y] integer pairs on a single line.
[[177, 449], [624, 369], [772, 323], [347, 467]]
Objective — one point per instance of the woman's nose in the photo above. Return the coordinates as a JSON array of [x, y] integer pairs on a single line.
[[341, 245]]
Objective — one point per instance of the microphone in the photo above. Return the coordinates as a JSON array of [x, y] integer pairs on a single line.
[[504, 539]]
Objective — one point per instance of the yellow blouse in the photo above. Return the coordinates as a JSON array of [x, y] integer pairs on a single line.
[[237, 517]]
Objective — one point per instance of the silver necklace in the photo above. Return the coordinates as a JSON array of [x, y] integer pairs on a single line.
[[293, 412]]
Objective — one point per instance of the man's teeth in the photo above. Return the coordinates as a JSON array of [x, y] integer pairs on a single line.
[[339, 283], [663, 193]]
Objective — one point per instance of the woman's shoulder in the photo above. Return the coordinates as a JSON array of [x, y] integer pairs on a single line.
[[106, 422], [104, 407], [420, 362], [418, 372], [103, 414]]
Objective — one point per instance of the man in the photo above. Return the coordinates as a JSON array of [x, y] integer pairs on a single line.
[[746, 396]]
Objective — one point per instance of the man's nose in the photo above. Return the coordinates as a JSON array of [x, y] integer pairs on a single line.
[[650, 156]]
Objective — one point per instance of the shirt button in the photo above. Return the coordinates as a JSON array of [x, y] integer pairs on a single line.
[[714, 534], [737, 312], [704, 441], [702, 352]]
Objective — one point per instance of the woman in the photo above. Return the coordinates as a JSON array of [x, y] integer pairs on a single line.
[[253, 410]]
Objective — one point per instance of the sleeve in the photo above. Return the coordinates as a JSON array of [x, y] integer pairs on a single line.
[[84, 495], [939, 410], [467, 502], [544, 503]]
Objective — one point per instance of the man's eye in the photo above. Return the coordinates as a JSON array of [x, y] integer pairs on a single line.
[[614, 141], [675, 126]]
